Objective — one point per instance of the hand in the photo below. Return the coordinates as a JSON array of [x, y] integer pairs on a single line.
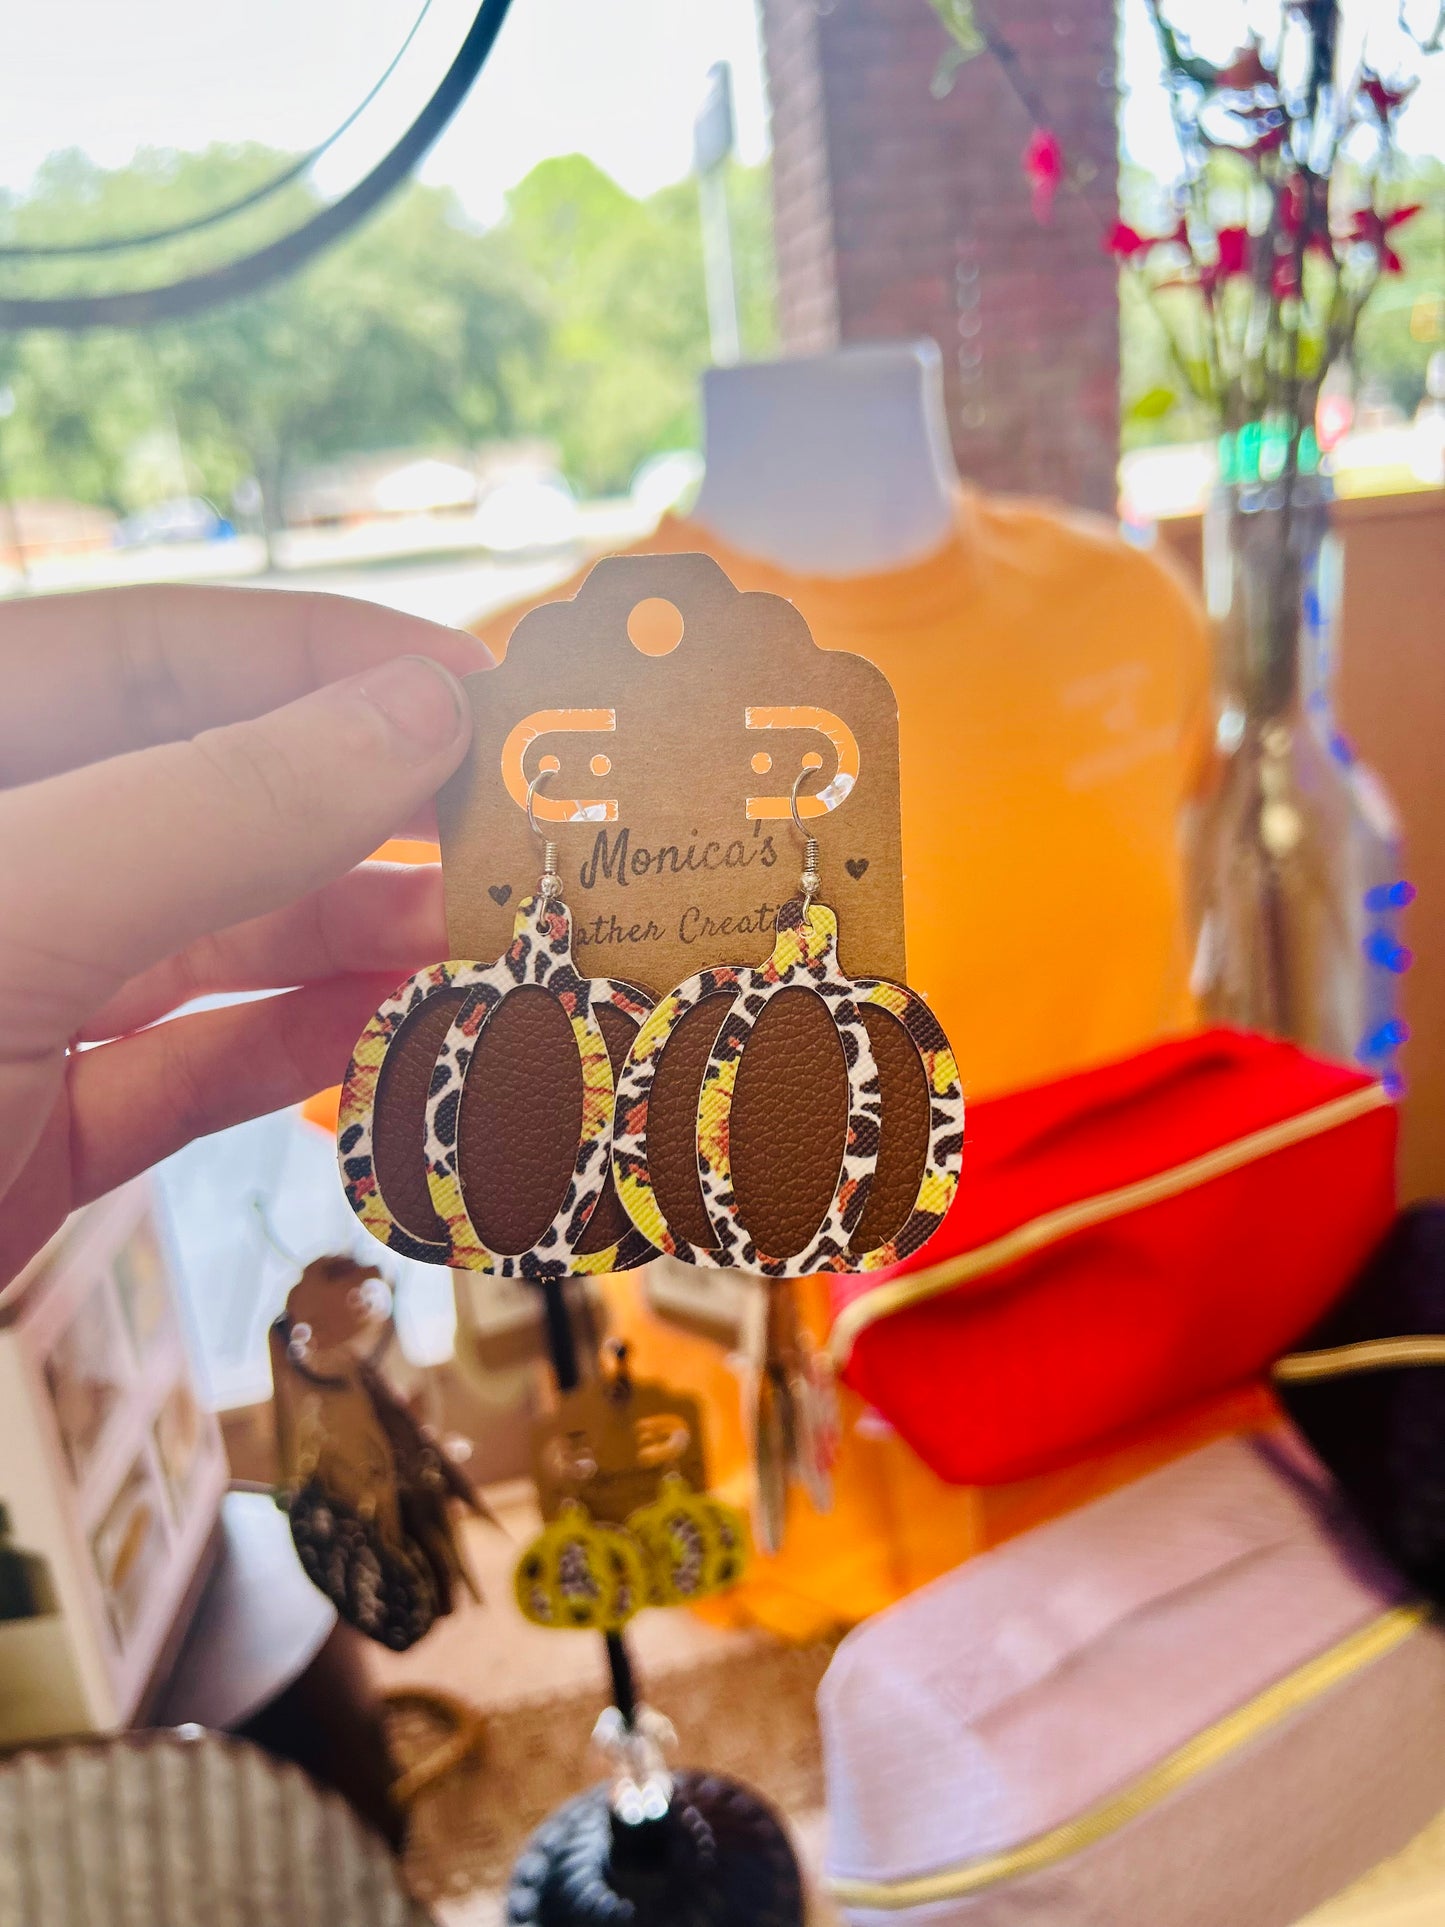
[[187, 779]]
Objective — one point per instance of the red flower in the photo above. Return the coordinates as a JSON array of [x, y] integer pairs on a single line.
[[1127, 244], [1233, 245], [1375, 229], [1232, 259], [1383, 97], [1044, 170], [1246, 71]]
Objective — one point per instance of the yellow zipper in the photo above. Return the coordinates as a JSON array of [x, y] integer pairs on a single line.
[[1288, 1695], [1038, 1233], [1366, 1355]]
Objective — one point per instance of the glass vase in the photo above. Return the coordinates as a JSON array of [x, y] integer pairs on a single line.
[[1294, 846]]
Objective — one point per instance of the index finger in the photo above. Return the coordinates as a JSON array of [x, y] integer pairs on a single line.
[[93, 674]]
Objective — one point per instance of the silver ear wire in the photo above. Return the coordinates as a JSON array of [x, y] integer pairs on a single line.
[[550, 884], [810, 882]]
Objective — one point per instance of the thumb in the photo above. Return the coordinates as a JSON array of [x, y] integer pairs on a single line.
[[121, 863]]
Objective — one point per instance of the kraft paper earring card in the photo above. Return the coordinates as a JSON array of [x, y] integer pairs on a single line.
[[672, 754], [668, 777]]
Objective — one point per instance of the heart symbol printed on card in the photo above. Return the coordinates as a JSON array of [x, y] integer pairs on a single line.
[[855, 866], [499, 892]]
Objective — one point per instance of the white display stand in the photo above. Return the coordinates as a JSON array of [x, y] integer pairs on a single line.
[[833, 465], [111, 1471]]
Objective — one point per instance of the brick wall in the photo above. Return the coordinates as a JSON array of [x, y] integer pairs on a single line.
[[899, 214]]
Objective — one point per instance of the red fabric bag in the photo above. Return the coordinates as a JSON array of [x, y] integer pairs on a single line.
[[1122, 1243]]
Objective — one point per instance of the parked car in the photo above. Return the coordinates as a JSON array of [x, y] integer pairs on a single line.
[[187, 518]]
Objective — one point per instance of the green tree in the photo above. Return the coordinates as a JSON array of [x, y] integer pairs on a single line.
[[413, 330], [581, 317], [623, 284], [406, 334]]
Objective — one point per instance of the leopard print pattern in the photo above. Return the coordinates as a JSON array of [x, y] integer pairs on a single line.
[[805, 955], [631, 1169], [540, 954], [944, 1159], [384, 1588], [356, 1118]]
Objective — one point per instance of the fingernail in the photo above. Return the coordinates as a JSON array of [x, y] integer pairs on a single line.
[[424, 705]]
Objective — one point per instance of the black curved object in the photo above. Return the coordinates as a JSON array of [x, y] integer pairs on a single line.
[[123, 243], [1381, 1431], [142, 307], [718, 1859]]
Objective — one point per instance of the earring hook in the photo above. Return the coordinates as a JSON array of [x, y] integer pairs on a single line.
[[798, 823], [550, 884], [810, 882]]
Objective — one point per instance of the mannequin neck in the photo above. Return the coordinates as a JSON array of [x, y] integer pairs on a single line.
[[834, 465]]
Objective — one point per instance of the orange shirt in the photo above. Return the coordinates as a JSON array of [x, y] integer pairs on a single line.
[[1052, 689]]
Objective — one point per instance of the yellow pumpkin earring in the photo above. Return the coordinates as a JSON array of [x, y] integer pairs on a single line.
[[804, 957], [539, 957], [693, 1545], [577, 1575]]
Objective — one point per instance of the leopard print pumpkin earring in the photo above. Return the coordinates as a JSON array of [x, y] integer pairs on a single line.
[[805, 956], [356, 1126], [538, 957]]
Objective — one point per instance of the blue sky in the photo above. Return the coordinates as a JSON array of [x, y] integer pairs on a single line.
[[616, 79]]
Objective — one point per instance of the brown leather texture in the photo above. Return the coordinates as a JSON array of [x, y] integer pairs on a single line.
[[790, 1110], [517, 1146], [398, 1129], [609, 1221], [514, 1163], [672, 1121], [903, 1140], [789, 1122], [520, 1120]]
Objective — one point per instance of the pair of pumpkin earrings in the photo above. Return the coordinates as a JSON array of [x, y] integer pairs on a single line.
[[614, 1130], [581, 1573]]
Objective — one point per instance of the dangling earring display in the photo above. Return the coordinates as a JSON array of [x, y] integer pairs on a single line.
[[356, 1117], [693, 1545], [581, 1575], [805, 956], [807, 952], [631, 1168], [538, 957], [797, 948]]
